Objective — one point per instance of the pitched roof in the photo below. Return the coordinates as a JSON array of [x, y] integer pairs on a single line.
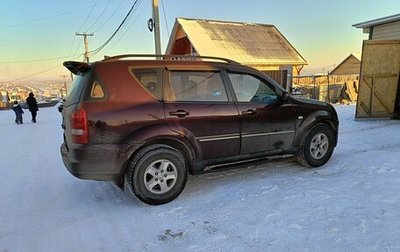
[[378, 21], [247, 43], [350, 65]]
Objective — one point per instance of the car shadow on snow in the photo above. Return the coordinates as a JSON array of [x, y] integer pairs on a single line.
[[266, 171], [107, 195]]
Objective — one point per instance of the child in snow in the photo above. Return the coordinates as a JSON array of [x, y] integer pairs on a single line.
[[18, 113]]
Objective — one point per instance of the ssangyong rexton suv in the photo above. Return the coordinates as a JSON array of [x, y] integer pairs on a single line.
[[147, 123]]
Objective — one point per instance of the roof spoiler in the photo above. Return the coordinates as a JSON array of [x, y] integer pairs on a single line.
[[77, 67]]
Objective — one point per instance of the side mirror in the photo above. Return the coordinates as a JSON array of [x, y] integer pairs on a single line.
[[285, 97]]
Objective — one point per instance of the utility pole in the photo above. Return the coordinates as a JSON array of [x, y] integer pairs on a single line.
[[64, 76], [156, 18], [85, 41]]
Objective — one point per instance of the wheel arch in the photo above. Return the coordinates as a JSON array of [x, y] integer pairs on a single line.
[[183, 146], [315, 119]]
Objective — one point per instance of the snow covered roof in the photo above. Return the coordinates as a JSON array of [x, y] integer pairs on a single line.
[[247, 43]]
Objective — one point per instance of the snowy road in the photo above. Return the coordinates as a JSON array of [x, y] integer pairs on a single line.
[[350, 204]]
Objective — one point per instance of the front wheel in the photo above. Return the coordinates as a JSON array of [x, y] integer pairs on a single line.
[[317, 147], [157, 174]]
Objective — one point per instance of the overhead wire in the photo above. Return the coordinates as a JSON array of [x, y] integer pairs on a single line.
[[116, 31], [75, 55], [98, 17], [39, 60], [165, 16], [54, 58], [72, 45], [77, 48], [34, 74], [129, 26], [88, 15], [45, 59], [44, 18], [80, 27], [110, 17]]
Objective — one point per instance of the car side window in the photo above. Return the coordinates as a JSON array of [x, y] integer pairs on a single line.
[[197, 86], [251, 89], [96, 91], [150, 79]]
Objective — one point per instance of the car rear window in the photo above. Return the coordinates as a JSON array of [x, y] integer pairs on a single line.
[[76, 88]]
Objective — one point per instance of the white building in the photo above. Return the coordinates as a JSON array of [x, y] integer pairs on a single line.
[[382, 28]]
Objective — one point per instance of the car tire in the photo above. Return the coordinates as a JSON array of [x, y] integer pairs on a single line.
[[317, 146], [157, 174]]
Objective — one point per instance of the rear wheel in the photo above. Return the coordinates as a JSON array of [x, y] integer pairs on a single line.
[[157, 174], [317, 146]]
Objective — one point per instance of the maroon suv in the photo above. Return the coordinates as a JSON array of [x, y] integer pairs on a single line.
[[147, 123]]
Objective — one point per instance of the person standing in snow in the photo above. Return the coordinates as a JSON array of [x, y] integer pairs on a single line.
[[32, 105], [18, 113]]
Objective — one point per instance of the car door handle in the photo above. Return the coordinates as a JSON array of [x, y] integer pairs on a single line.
[[179, 113], [249, 112]]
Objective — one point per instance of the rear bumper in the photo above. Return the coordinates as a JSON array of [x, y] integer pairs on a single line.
[[94, 162]]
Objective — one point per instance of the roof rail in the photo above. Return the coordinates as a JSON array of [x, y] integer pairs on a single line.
[[170, 57]]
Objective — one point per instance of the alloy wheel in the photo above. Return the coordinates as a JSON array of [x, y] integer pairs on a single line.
[[160, 176]]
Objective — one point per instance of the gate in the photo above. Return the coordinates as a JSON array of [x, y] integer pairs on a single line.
[[379, 79]]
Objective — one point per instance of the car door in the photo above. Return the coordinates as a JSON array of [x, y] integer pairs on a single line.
[[198, 106], [267, 123]]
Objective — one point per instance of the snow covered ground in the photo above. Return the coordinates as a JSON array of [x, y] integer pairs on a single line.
[[350, 204]]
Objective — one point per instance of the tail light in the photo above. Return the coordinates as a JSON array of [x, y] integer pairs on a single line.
[[79, 127]]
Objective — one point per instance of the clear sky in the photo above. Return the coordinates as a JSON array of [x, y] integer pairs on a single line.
[[30, 30]]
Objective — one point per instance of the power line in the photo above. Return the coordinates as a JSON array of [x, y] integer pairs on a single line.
[[165, 16], [44, 18], [31, 75], [88, 15], [77, 47], [83, 23], [72, 45], [116, 31], [34, 74], [39, 60], [108, 20], [80, 27], [63, 57], [98, 18], [128, 27]]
